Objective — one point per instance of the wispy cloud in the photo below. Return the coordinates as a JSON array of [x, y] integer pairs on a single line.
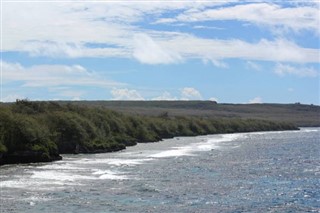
[[71, 50], [207, 27], [266, 14], [190, 93], [125, 94], [65, 29], [213, 99], [253, 66], [53, 76], [165, 96], [147, 51], [12, 97], [279, 50], [256, 100], [217, 63], [301, 71]]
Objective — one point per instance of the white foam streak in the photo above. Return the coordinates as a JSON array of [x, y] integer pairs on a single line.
[[65, 166], [115, 161], [59, 176], [310, 130], [35, 184], [110, 175], [211, 143], [128, 162], [183, 151], [302, 130]]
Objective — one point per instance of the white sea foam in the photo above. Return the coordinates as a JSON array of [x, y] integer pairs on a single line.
[[115, 161], [59, 176], [215, 143], [108, 174], [310, 130], [205, 147], [119, 162], [176, 152], [282, 132], [48, 180], [102, 172], [209, 144], [36, 198], [65, 166], [113, 177], [35, 184], [74, 172]]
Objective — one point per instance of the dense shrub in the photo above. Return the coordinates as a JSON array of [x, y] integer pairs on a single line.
[[47, 128]]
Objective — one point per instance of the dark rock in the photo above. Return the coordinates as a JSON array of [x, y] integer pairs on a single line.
[[27, 157]]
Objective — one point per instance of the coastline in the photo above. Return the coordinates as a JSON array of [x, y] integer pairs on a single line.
[[41, 131], [25, 158]]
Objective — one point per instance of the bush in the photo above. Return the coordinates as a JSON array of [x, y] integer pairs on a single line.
[[49, 128]]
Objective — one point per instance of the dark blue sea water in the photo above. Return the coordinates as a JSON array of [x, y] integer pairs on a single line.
[[246, 172]]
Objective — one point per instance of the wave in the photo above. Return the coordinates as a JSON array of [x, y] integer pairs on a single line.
[[59, 176], [114, 161], [190, 150], [176, 152], [110, 175]]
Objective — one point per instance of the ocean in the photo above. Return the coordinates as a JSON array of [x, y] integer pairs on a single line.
[[241, 172]]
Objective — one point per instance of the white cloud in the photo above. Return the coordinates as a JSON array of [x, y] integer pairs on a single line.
[[65, 29], [165, 96], [12, 98], [253, 66], [219, 64], [215, 62], [53, 76], [279, 50], [266, 14], [147, 51], [189, 93], [125, 94], [207, 27], [71, 50], [213, 99], [52, 49], [285, 69], [256, 100], [63, 23]]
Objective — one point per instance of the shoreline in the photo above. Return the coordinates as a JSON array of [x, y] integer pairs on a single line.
[[41, 131], [22, 159]]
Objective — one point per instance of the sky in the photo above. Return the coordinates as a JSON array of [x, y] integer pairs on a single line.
[[225, 51]]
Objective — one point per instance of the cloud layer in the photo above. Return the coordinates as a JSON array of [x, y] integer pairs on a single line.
[[68, 48], [52, 76], [267, 14], [67, 29]]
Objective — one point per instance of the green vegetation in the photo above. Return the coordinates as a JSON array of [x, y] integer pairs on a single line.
[[298, 114], [40, 131]]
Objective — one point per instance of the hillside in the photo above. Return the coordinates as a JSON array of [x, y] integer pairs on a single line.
[[298, 114]]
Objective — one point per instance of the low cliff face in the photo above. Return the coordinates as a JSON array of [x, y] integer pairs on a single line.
[[27, 157]]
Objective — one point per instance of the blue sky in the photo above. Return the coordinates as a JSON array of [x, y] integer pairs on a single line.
[[229, 51]]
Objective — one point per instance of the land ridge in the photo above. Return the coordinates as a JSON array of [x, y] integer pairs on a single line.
[[302, 115]]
